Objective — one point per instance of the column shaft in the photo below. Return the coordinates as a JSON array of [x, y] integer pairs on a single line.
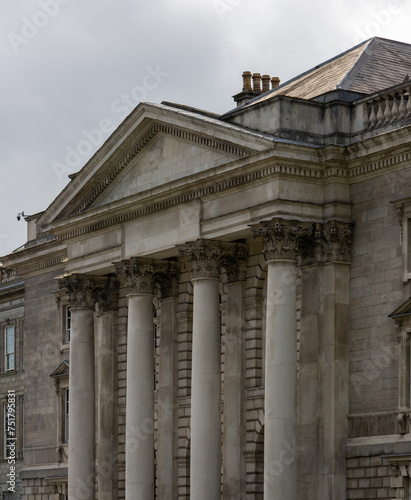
[[140, 399], [82, 406], [106, 366], [206, 392], [280, 382]]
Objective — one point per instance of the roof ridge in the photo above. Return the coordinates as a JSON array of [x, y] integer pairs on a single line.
[[368, 51]]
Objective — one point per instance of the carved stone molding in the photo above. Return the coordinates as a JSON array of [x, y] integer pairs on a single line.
[[234, 261], [149, 276], [80, 289], [338, 236], [107, 296], [312, 243], [204, 256], [166, 280], [281, 237]]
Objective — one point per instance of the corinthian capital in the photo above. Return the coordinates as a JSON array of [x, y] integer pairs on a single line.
[[281, 237], [137, 274], [234, 262], [149, 276], [107, 295], [81, 289], [338, 236], [204, 256]]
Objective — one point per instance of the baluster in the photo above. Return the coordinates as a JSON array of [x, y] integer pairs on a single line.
[[366, 115], [387, 112], [380, 114], [402, 109], [395, 111], [373, 116]]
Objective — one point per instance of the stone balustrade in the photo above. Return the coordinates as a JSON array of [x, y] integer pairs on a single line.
[[387, 107]]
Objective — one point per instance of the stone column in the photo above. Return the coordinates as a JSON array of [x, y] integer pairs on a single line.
[[167, 450], [138, 277], [81, 444], [234, 261], [280, 240], [205, 456], [107, 304]]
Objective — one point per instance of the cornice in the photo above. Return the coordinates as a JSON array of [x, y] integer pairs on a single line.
[[12, 290], [35, 260], [262, 166]]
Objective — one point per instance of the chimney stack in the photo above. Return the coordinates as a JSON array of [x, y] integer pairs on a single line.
[[251, 90], [275, 82], [247, 81], [256, 82], [266, 83]]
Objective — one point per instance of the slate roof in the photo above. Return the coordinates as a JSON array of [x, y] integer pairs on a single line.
[[369, 67]]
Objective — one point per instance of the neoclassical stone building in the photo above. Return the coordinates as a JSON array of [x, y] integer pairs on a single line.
[[219, 306]]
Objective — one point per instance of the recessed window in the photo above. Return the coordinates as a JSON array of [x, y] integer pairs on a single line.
[[66, 414], [9, 342], [67, 324]]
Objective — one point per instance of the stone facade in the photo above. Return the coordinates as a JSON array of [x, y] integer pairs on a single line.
[[219, 306]]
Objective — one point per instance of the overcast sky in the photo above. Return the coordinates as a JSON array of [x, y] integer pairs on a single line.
[[73, 69]]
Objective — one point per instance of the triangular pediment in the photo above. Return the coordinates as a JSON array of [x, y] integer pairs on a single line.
[[165, 159], [154, 146], [61, 371], [403, 310]]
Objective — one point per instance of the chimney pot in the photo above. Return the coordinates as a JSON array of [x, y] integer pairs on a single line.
[[247, 81], [275, 82], [257, 82], [266, 83]]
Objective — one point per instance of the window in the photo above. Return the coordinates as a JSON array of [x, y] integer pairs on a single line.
[[403, 208], [9, 342], [61, 381], [402, 318], [67, 324], [66, 414]]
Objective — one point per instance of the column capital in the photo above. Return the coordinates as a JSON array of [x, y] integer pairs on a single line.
[[313, 242], [107, 295], [338, 236], [204, 256], [234, 261], [148, 276], [281, 237], [81, 289]]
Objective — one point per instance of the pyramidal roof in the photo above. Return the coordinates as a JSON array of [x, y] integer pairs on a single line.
[[369, 67]]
